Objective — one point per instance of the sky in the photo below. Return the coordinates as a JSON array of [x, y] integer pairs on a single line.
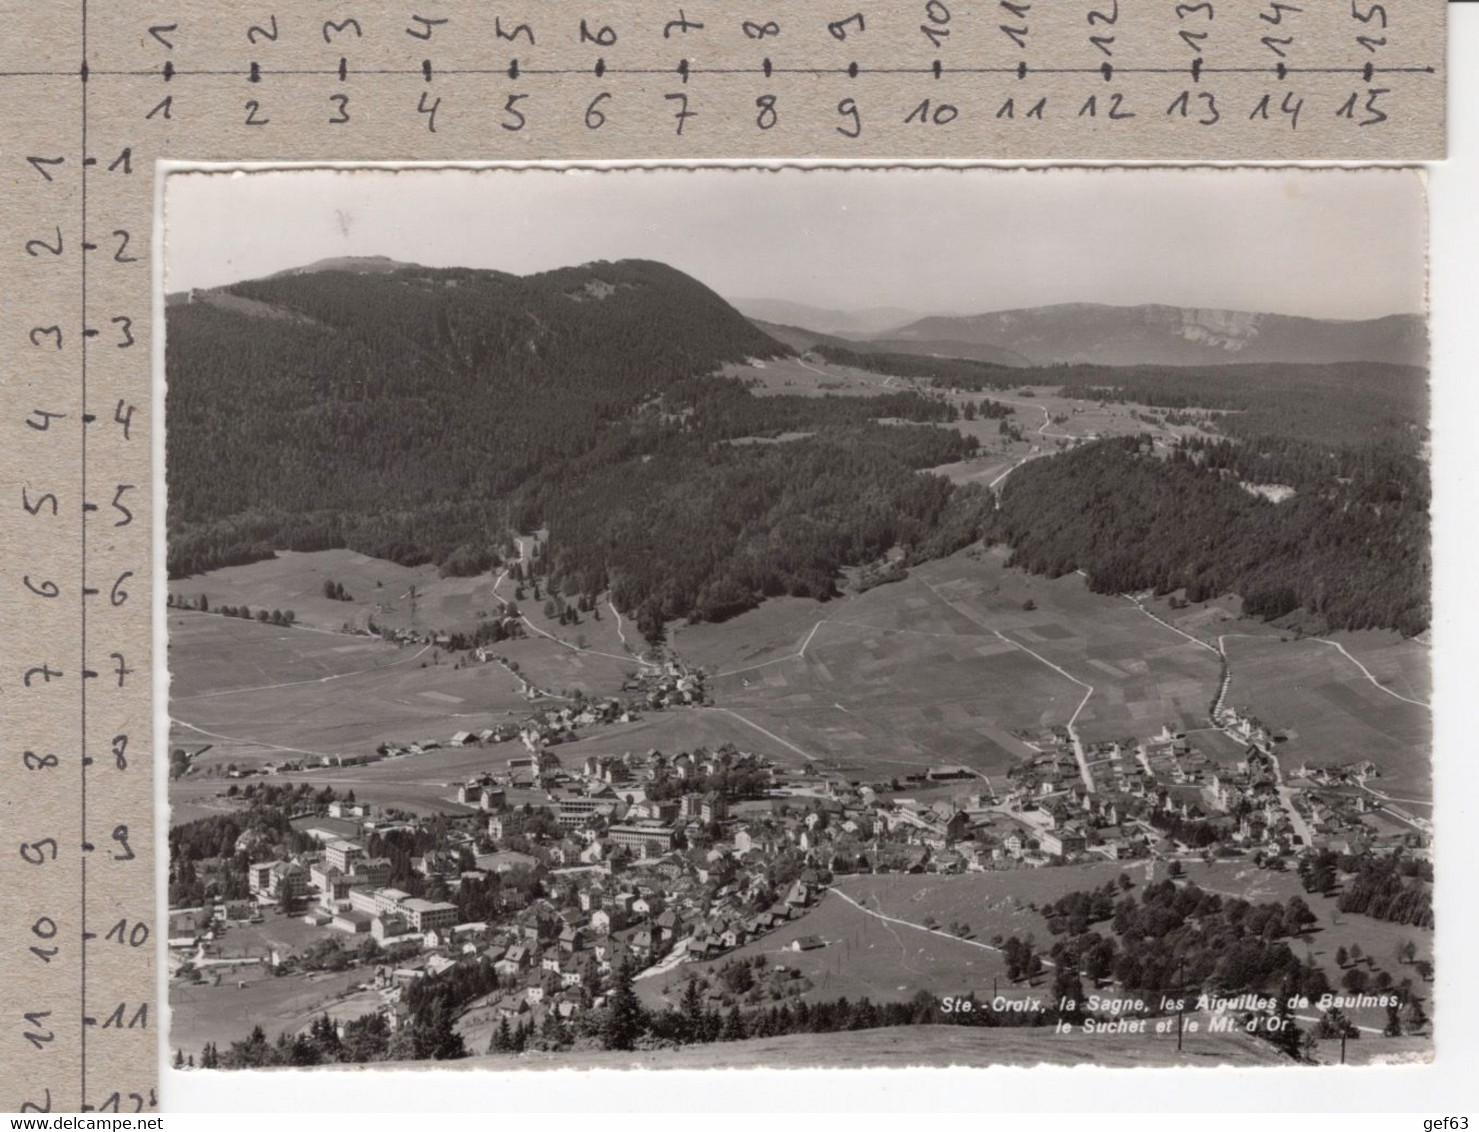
[[1338, 243]]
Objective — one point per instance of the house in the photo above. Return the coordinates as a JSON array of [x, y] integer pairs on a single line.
[[428, 915], [807, 943], [949, 773], [958, 828], [645, 840]]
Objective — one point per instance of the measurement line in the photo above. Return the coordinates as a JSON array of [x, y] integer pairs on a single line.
[[513, 71], [83, 839]]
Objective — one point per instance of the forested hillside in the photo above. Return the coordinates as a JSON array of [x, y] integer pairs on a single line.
[[424, 415], [1352, 545], [420, 415], [397, 412], [1355, 553]]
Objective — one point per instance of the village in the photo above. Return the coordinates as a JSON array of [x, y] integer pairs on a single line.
[[562, 873]]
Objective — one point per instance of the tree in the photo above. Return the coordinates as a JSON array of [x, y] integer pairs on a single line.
[[434, 1036], [1298, 918], [179, 1059], [691, 1011], [503, 1039], [1311, 1044], [1417, 1017], [1342, 956], [1393, 1027], [624, 1016], [650, 624], [1286, 1035], [1068, 992], [734, 1026]]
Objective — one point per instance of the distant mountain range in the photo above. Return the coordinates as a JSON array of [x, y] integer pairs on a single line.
[[1097, 334], [860, 323], [801, 339]]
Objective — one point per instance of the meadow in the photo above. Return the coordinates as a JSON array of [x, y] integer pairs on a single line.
[[863, 956], [903, 1046], [949, 666], [201, 1013], [877, 944]]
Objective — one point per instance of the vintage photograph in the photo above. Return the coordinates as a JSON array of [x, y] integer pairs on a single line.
[[734, 617]]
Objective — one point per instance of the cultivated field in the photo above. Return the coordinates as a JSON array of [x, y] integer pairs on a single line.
[[946, 665]]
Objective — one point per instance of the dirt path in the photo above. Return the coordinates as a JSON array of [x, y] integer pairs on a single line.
[[797, 655], [861, 907], [790, 746], [1366, 672], [1078, 746]]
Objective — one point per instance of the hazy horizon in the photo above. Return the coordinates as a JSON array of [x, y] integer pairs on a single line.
[[933, 242]]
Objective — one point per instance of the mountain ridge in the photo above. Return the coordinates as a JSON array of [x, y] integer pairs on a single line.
[[1162, 334]]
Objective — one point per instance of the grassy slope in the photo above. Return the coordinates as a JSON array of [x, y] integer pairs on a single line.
[[901, 1046]]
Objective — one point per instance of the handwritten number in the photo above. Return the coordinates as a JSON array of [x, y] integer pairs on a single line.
[[252, 107], [45, 589], [118, 256], [605, 37], [128, 516], [838, 28], [119, 595], [594, 118], [342, 113], [516, 116], [36, 852], [767, 117], [848, 108], [35, 247], [683, 113], [40, 502]]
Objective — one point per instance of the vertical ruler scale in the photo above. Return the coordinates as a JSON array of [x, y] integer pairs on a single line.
[[121, 1018], [40, 860], [91, 97], [77, 789]]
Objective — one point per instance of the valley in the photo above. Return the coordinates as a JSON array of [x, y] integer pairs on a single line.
[[604, 661]]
